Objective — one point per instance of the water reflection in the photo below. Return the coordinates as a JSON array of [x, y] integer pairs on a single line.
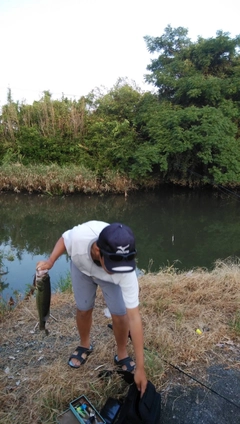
[[189, 228]]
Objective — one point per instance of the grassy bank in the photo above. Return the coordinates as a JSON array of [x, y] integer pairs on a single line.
[[62, 180], [36, 383], [53, 179]]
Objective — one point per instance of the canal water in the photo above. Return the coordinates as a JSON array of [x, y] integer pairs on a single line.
[[173, 227]]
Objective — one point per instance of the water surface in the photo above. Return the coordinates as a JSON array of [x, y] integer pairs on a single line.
[[172, 226]]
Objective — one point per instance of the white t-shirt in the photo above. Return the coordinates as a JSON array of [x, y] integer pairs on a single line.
[[78, 242]]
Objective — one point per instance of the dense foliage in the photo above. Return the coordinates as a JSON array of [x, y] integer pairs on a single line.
[[187, 128], [198, 103]]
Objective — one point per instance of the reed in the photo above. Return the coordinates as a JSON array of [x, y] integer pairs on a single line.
[[56, 180]]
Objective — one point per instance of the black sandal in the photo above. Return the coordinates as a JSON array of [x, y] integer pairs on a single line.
[[81, 356], [126, 362]]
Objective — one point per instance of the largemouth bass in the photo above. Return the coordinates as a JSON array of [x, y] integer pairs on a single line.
[[43, 297]]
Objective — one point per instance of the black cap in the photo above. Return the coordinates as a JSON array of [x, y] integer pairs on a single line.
[[117, 244]]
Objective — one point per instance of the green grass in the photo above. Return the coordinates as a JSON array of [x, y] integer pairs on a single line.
[[235, 323], [65, 284], [3, 307]]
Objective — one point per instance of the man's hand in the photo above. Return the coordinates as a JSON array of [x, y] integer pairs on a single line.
[[42, 265], [140, 380], [136, 331]]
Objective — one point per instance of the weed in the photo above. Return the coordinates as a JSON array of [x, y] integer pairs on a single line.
[[3, 307], [65, 283], [235, 323], [60, 180]]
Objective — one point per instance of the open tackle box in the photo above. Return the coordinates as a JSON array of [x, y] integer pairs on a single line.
[[81, 411]]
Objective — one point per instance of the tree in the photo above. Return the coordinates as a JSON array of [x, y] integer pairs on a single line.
[[111, 140], [201, 73], [198, 114]]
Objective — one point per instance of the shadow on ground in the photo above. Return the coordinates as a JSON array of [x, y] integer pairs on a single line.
[[195, 404]]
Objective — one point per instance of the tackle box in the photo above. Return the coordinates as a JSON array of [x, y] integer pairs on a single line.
[[67, 417], [81, 410]]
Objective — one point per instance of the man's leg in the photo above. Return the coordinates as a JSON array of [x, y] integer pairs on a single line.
[[121, 330], [84, 323], [113, 297], [84, 292]]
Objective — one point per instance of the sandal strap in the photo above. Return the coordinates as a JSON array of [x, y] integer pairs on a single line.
[[79, 357], [80, 351], [125, 361]]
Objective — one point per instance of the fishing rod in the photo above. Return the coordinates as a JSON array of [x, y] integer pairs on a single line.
[[193, 378], [185, 373]]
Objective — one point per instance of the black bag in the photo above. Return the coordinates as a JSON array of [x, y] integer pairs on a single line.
[[137, 410]]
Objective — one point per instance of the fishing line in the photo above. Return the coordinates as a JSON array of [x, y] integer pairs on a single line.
[[185, 373], [212, 182], [193, 378]]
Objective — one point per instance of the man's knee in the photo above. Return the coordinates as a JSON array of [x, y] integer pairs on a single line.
[[120, 319], [84, 314]]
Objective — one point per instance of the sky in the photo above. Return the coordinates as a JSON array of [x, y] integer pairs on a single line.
[[72, 47]]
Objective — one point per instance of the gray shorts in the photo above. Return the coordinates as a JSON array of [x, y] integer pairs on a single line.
[[85, 288]]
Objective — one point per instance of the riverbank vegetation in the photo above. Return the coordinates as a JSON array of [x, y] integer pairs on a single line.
[[36, 383], [185, 132], [55, 179]]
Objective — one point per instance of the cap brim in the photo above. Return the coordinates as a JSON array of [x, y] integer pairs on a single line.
[[121, 267]]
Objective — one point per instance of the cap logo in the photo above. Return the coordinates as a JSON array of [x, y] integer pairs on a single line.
[[122, 249]]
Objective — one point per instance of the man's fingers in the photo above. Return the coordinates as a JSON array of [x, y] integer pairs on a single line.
[[41, 266], [142, 388]]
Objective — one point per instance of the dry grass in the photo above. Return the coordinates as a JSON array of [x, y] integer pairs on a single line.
[[36, 383], [53, 179]]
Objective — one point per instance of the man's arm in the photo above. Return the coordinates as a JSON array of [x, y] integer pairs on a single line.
[[136, 331], [58, 250]]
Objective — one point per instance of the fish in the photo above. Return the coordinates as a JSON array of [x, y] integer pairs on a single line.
[[43, 297]]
